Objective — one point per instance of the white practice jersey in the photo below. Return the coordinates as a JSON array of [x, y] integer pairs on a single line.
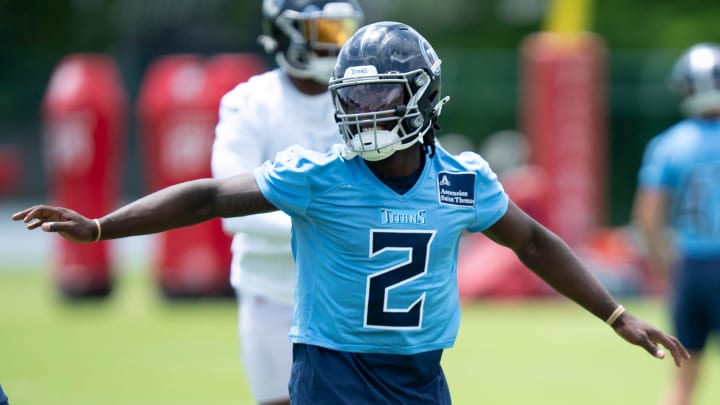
[[259, 118]]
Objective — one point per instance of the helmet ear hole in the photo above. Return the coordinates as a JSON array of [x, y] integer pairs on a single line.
[[421, 79]]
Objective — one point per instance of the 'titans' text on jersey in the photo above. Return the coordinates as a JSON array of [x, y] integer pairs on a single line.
[[383, 271], [388, 216]]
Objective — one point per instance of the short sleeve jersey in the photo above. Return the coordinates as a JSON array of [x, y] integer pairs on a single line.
[[685, 161], [376, 270]]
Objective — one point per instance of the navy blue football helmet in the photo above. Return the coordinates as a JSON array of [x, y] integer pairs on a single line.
[[306, 35], [386, 89], [696, 77]]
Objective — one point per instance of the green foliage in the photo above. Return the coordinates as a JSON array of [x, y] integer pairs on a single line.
[[661, 24]]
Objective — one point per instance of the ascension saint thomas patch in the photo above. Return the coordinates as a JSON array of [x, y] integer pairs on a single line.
[[456, 189]]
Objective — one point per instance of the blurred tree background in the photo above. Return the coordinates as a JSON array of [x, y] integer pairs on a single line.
[[478, 41]]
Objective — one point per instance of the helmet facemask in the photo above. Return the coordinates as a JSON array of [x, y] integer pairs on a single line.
[[378, 114], [306, 43]]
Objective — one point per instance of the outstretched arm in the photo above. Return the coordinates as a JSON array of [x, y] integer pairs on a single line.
[[551, 259], [176, 206]]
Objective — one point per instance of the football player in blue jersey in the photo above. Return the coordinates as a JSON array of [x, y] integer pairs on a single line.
[[376, 224], [677, 209]]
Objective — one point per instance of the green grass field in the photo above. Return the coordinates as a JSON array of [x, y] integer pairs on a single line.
[[138, 349]]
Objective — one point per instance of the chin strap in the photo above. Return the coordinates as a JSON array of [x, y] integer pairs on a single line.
[[437, 110], [428, 145]]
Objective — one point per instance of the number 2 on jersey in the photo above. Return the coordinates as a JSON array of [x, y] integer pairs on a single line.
[[380, 285]]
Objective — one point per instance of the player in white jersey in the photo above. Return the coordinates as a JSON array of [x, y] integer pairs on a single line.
[[286, 106], [376, 228], [677, 208]]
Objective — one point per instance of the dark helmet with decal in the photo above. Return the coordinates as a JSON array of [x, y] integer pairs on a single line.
[[386, 89], [306, 35]]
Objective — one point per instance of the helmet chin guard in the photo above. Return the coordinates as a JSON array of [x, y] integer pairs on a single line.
[[366, 144], [701, 103], [318, 68]]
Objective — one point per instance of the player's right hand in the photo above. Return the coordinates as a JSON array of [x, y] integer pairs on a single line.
[[639, 332], [67, 223]]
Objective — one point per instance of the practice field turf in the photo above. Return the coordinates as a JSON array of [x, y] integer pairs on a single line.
[[138, 349]]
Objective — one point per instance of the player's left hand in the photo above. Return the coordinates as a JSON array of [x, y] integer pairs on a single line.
[[68, 223], [639, 332]]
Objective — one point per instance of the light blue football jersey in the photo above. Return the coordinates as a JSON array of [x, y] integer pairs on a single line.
[[685, 161], [376, 270]]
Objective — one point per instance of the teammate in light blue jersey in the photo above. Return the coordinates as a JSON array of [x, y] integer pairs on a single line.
[[684, 162], [677, 208], [376, 227]]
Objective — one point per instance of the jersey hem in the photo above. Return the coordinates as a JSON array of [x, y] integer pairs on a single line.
[[393, 349]]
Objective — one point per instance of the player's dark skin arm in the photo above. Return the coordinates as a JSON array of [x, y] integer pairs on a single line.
[[197, 201], [173, 207], [551, 259]]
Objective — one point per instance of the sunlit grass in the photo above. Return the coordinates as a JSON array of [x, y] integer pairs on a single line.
[[137, 348], [553, 352]]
